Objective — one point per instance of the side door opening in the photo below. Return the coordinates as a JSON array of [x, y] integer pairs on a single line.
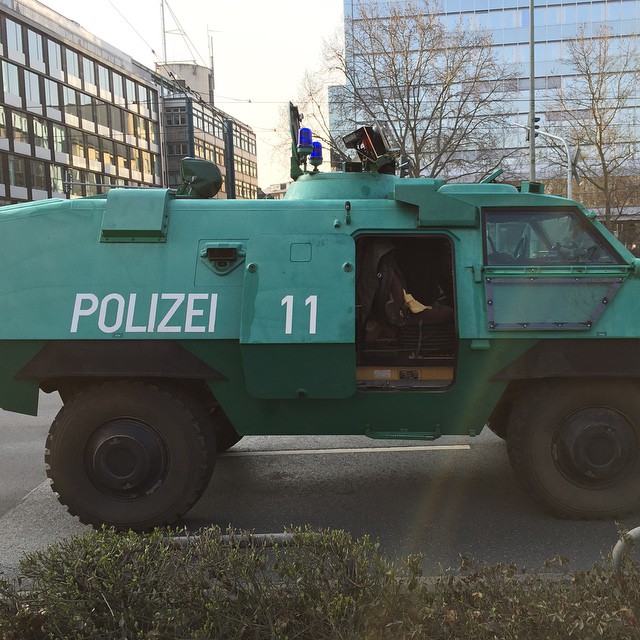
[[406, 329]]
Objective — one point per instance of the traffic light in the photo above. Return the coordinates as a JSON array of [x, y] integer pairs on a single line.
[[404, 166], [536, 119]]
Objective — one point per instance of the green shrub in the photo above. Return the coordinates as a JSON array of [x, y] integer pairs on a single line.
[[322, 585]]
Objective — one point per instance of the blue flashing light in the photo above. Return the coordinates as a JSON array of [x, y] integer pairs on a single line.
[[305, 141], [316, 155]]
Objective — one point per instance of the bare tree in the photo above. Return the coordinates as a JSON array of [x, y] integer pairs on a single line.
[[312, 100], [594, 107], [440, 91]]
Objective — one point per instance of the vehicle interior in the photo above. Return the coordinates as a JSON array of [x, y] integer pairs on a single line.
[[406, 323]]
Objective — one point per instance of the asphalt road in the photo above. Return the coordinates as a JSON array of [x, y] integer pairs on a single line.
[[450, 498]]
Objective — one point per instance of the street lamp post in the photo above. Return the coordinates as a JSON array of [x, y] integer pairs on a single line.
[[569, 164], [532, 94], [545, 134]]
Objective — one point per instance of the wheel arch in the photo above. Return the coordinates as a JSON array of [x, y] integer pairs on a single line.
[[67, 365], [583, 358], [576, 358]]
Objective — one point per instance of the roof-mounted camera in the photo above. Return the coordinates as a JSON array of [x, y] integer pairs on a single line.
[[372, 148]]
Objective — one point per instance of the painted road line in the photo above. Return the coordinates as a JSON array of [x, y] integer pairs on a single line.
[[315, 452]]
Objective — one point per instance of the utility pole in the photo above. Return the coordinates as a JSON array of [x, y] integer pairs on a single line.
[[532, 95], [164, 34], [212, 77], [229, 159]]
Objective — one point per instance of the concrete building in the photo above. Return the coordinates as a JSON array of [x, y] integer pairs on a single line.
[[194, 127], [78, 116]]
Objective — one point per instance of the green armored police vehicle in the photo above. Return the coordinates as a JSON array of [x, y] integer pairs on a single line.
[[172, 324]]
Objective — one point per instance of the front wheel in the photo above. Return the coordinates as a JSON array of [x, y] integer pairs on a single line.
[[575, 446], [128, 454]]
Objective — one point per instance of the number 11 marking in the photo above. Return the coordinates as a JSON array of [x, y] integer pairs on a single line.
[[311, 302]]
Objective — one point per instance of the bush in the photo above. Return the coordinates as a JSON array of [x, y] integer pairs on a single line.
[[321, 585]]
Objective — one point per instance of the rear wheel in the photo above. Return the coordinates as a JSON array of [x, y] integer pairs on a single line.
[[575, 445], [128, 454]]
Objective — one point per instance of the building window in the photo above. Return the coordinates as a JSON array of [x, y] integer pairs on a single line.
[[142, 130], [40, 133], [60, 139], [3, 123], [108, 157], [86, 108], [38, 175], [20, 125], [17, 176], [176, 116], [136, 162], [153, 133], [57, 178], [51, 94], [10, 79], [131, 125], [178, 149], [91, 184], [118, 90], [36, 49], [14, 36], [73, 65], [93, 152], [70, 105], [103, 79], [89, 71], [217, 128], [77, 146], [102, 114], [55, 59], [121, 153], [147, 165], [116, 121], [132, 100], [77, 186], [32, 88], [143, 98]]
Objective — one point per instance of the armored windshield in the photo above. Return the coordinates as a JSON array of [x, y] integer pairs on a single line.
[[544, 238]]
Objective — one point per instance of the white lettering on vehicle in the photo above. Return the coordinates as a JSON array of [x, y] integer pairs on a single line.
[[164, 313]]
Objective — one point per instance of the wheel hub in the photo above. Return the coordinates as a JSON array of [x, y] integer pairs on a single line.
[[126, 457], [594, 446]]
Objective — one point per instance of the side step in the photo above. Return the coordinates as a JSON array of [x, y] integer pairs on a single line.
[[386, 377]]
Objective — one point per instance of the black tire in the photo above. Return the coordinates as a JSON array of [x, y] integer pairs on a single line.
[[128, 454], [575, 446]]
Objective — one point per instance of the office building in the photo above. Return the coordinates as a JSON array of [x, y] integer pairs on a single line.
[[78, 116], [508, 21], [194, 127]]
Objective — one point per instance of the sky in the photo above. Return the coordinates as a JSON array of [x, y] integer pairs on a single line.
[[261, 50]]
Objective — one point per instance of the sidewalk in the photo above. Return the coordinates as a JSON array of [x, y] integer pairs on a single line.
[[33, 524]]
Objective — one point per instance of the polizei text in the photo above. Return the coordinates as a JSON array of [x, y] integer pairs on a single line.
[[159, 313]]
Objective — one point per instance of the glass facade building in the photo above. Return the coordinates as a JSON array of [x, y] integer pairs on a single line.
[[508, 21], [78, 116]]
